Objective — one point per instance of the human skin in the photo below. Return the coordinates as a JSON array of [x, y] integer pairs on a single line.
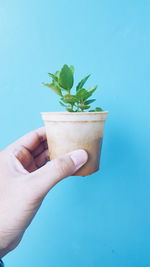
[[25, 179]]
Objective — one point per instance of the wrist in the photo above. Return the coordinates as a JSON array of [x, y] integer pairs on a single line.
[[4, 249], [3, 252], [8, 243]]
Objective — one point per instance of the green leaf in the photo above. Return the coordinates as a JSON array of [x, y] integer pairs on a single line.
[[72, 68], [92, 89], [66, 78], [71, 99], [82, 106], [62, 104], [82, 95], [54, 87], [96, 110], [57, 74], [70, 109], [57, 84], [53, 76], [89, 101], [82, 82]]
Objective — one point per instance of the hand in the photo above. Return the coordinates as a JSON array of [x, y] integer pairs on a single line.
[[25, 179]]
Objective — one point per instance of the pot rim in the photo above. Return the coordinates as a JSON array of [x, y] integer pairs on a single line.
[[74, 113], [74, 116]]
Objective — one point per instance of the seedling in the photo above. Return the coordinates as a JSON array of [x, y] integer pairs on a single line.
[[62, 84]]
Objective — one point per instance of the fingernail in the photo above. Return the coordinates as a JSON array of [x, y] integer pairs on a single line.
[[79, 157]]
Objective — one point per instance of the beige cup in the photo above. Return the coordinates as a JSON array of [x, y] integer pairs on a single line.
[[68, 131]]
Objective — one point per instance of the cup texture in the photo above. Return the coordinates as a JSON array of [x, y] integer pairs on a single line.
[[67, 131]]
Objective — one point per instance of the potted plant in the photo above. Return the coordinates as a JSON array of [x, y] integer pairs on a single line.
[[79, 127]]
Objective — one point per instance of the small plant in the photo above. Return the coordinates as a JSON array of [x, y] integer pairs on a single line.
[[62, 83]]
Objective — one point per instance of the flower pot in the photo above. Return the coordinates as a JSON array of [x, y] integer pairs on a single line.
[[68, 131]]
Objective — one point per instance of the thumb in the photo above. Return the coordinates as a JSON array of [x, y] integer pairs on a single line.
[[55, 170]]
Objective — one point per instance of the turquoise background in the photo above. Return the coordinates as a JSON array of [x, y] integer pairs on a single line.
[[104, 219]]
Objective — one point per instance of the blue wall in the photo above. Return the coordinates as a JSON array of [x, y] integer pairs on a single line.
[[104, 219]]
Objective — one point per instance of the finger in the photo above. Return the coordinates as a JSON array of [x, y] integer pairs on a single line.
[[32, 167], [31, 140], [24, 156], [43, 146], [41, 159], [26, 161], [54, 171]]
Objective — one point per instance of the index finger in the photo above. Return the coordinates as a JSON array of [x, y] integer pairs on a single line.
[[31, 140]]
